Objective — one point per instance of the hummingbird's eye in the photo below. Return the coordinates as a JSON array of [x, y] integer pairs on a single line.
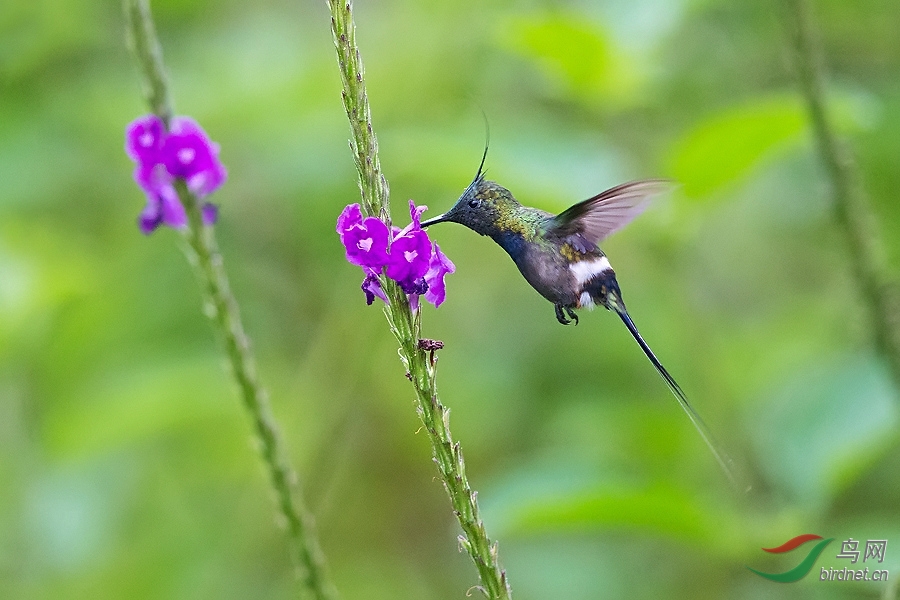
[[474, 202]]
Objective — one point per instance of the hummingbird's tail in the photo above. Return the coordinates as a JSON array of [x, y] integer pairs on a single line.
[[614, 302]]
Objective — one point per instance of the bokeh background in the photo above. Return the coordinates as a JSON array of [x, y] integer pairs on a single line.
[[127, 468]]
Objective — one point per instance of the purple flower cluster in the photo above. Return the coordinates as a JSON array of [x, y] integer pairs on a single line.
[[184, 152], [406, 255]]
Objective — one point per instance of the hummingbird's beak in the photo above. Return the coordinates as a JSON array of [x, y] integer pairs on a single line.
[[438, 219]]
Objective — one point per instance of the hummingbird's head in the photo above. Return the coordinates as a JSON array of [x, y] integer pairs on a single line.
[[484, 207]]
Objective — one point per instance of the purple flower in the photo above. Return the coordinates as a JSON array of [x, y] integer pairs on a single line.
[[163, 208], [439, 266], [414, 287], [350, 216], [188, 153], [366, 243], [408, 258], [152, 177], [372, 287], [410, 255], [415, 214], [210, 213], [144, 138], [183, 152]]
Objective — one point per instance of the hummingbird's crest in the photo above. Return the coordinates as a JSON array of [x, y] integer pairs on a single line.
[[479, 176], [484, 206]]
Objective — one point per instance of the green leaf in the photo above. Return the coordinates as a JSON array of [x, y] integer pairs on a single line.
[[575, 55], [657, 510], [820, 431], [550, 498], [728, 144]]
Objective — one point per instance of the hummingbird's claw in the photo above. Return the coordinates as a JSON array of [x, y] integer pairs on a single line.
[[561, 317], [571, 314]]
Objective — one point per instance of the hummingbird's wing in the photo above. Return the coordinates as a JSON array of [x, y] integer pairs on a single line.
[[587, 223]]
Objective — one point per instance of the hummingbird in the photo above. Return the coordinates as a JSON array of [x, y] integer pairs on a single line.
[[560, 257]]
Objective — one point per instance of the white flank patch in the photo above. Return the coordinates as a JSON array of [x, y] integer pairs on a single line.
[[586, 301], [585, 270]]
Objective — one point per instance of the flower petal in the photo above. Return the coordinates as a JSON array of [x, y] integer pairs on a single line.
[[409, 256], [372, 287], [210, 213], [415, 213], [350, 216], [438, 267], [188, 153], [144, 138], [150, 218], [209, 180], [414, 287], [181, 125], [366, 244], [152, 177], [171, 210]]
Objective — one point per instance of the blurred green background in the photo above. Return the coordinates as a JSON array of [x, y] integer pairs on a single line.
[[127, 468]]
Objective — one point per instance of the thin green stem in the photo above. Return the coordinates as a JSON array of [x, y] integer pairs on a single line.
[[372, 183], [141, 35], [417, 354], [222, 308], [853, 212], [421, 366]]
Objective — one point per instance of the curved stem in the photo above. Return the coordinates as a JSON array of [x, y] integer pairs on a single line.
[[416, 354], [852, 210], [420, 364], [222, 308]]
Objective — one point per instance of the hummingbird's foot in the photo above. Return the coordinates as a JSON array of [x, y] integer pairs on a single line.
[[571, 314], [560, 316]]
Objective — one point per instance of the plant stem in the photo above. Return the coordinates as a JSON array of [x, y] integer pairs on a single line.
[[420, 365], [405, 323], [372, 183], [222, 308], [852, 210], [141, 35]]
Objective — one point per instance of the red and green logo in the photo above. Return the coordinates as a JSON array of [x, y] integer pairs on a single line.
[[805, 566]]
